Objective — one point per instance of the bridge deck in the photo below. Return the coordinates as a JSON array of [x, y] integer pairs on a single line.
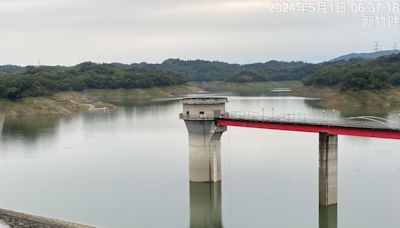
[[359, 126]]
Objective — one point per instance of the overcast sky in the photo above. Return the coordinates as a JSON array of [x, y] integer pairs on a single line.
[[66, 32]]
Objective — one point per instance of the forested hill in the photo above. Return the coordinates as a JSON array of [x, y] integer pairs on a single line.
[[200, 70], [370, 55], [358, 74], [355, 74], [11, 69], [44, 80]]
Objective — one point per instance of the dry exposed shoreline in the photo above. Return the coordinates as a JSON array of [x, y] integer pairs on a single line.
[[67, 103], [21, 220]]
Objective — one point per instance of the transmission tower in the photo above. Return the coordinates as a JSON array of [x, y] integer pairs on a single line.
[[376, 46], [395, 46]]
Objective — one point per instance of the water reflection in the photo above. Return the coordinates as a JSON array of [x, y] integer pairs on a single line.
[[328, 216], [29, 128], [206, 209], [205, 205], [109, 155], [2, 118], [231, 91], [345, 112], [126, 102]]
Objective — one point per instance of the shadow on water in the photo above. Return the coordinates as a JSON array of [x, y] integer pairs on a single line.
[[205, 205]]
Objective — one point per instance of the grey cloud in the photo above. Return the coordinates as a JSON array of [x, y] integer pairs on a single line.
[[70, 31]]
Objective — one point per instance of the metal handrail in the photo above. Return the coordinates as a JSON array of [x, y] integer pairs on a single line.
[[303, 118]]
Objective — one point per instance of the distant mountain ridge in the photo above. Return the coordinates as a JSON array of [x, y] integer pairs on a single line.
[[371, 55]]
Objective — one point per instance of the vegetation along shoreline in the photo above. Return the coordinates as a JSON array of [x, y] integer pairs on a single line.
[[59, 90]]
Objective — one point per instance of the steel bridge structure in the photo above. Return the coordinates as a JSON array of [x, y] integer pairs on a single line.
[[362, 126]]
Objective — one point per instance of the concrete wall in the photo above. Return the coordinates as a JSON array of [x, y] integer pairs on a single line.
[[205, 205], [204, 150], [328, 169]]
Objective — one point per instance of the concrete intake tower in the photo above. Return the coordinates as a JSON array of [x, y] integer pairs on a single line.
[[199, 115]]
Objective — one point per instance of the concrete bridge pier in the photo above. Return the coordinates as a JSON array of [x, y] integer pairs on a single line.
[[328, 169], [204, 137]]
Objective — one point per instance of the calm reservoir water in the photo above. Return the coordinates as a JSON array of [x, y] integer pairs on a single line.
[[129, 168]]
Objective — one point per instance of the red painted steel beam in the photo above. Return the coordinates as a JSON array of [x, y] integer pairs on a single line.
[[350, 131]]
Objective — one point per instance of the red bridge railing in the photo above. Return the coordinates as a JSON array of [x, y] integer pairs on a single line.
[[364, 126]]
